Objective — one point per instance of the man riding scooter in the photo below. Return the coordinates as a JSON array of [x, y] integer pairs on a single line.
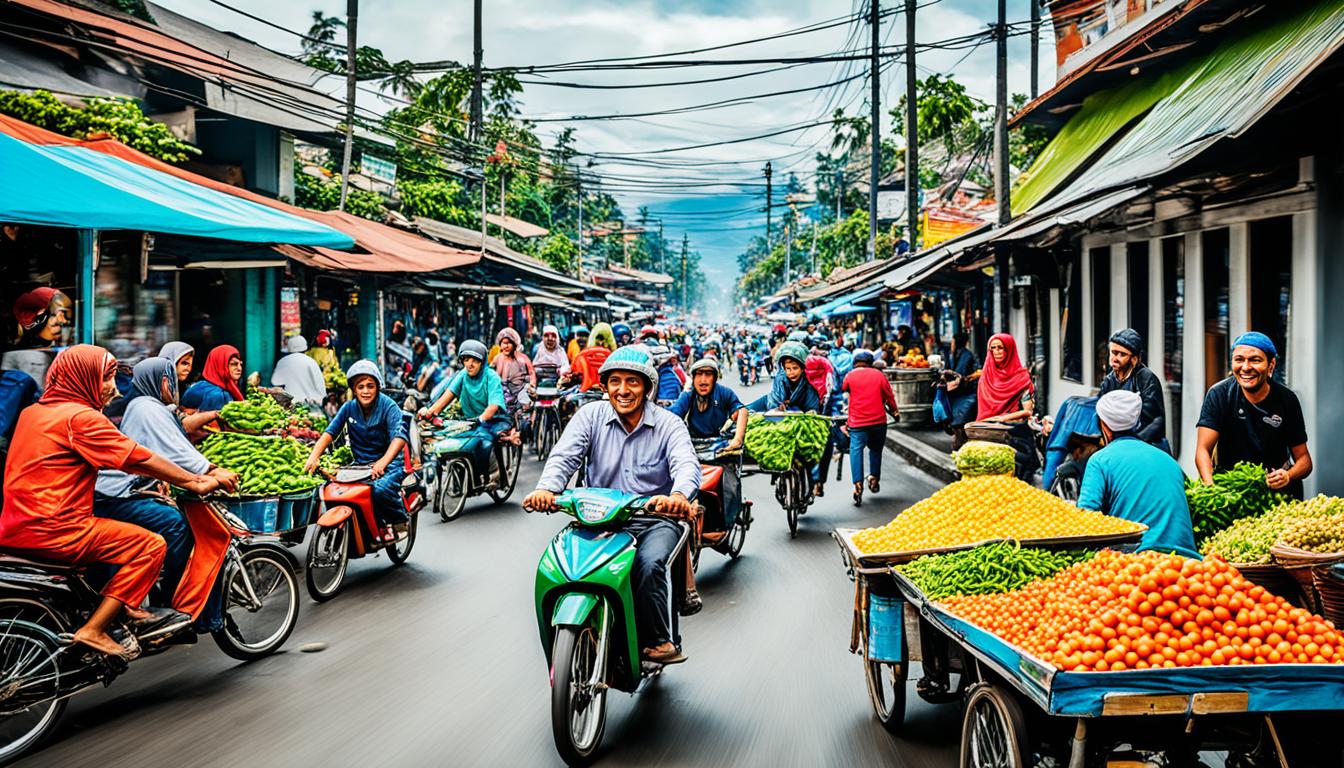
[[705, 408], [630, 444]]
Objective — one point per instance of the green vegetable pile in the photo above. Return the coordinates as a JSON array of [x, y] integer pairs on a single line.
[[1237, 493], [981, 457], [266, 466], [337, 457], [1315, 534], [257, 413], [1247, 541], [336, 380], [775, 444], [986, 570]]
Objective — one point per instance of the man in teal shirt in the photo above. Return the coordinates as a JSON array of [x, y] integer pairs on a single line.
[[1132, 479]]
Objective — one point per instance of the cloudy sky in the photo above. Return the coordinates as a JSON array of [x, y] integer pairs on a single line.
[[713, 196]]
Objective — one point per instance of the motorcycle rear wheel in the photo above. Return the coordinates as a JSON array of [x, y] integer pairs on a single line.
[[511, 459], [454, 487], [578, 718], [400, 551], [737, 536], [28, 645], [252, 632], [328, 559]]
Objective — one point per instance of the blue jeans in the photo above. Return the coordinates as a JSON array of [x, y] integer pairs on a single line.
[[387, 503], [873, 438]]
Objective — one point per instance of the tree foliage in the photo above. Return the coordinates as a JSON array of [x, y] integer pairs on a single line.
[[325, 195], [122, 120]]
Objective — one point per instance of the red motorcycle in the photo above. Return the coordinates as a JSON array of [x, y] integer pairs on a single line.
[[718, 466], [348, 528]]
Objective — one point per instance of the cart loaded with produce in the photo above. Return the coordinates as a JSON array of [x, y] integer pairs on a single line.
[[1068, 650], [787, 446]]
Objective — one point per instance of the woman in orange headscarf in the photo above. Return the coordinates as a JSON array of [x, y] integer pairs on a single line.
[[59, 445]]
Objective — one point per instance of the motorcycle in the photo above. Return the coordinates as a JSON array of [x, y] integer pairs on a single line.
[[586, 615], [41, 602], [715, 463], [459, 473], [349, 529], [546, 412]]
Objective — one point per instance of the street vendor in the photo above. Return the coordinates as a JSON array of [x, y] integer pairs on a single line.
[[322, 352], [134, 499], [298, 374], [376, 434], [1132, 479], [219, 381], [1125, 350], [1251, 417], [791, 391], [1006, 395]]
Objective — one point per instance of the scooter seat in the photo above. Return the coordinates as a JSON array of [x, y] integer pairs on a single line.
[[10, 558], [710, 477]]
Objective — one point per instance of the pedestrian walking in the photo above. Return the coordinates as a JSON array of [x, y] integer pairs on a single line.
[[870, 400]]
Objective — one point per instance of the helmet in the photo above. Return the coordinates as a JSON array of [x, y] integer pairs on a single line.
[[620, 329], [576, 330], [647, 331], [635, 358], [705, 364], [791, 349], [364, 368], [472, 348]]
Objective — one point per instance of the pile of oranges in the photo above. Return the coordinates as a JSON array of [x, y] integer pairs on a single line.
[[1148, 610], [983, 508]]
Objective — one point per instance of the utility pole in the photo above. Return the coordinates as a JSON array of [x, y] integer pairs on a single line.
[[769, 204], [788, 250], [839, 191], [812, 255], [912, 130], [579, 178], [875, 122], [685, 247], [1001, 116], [662, 249], [351, 21], [477, 108], [1035, 46]]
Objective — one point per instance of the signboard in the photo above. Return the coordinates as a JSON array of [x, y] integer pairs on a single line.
[[290, 317], [378, 168], [891, 205]]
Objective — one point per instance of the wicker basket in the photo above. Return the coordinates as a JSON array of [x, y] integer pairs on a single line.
[[1302, 564], [1274, 579], [1330, 587]]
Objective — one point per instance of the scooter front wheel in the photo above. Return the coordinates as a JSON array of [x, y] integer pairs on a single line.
[[399, 552], [454, 487], [261, 605], [328, 559], [578, 698]]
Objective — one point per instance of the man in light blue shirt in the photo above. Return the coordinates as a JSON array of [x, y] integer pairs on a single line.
[[630, 444], [1132, 479]]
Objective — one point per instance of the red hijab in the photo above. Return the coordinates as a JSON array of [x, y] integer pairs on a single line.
[[216, 370], [818, 372], [1001, 384], [76, 376]]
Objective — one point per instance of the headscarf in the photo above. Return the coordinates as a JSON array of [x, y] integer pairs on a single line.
[[818, 372], [148, 375], [602, 336], [216, 370], [512, 335], [174, 351], [1001, 383], [296, 344], [1258, 340], [76, 376], [32, 306]]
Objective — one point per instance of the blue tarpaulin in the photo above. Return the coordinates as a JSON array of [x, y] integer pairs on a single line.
[[847, 304], [73, 186], [1078, 415]]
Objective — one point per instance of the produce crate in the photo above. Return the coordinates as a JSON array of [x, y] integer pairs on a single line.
[[1302, 564], [880, 559], [1330, 587], [1273, 578], [274, 514]]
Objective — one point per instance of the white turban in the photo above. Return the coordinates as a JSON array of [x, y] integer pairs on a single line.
[[296, 343], [1120, 410]]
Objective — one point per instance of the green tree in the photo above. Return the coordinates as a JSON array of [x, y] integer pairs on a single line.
[[120, 119], [560, 252]]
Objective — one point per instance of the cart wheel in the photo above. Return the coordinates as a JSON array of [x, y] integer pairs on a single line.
[[993, 731], [886, 690], [794, 504], [737, 535]]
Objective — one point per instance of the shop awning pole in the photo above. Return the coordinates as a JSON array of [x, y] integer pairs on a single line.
[[85, 281]]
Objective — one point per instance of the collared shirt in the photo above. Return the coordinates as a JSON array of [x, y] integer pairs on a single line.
[[656, 458], [369, 433], [723, 405], [1137, 481]]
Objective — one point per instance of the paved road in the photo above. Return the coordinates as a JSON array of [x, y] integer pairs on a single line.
[[438, 663]]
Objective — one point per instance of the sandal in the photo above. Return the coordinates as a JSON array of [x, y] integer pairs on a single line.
[[873, 485], [858, 494], [818, 490]]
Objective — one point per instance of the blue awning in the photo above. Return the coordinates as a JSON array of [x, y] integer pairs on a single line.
[[847, 304], [76, 187]]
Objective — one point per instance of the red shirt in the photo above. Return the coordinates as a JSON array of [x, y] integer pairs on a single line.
[[870, 397], [53, 462]]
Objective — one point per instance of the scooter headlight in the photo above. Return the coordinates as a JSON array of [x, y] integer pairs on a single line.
[[592, 512]]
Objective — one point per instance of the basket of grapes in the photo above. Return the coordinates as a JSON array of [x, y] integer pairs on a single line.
[[1308, 546]]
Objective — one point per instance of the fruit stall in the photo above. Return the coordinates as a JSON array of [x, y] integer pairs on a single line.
[[1067, 649]]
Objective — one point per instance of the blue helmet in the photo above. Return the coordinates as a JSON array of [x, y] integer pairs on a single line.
[[635, 358]]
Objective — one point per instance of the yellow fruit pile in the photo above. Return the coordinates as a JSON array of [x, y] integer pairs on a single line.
[[976, 509]]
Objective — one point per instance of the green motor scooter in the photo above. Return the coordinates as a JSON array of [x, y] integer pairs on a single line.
[[586, 614]]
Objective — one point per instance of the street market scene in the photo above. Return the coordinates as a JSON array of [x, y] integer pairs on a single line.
[[917, 383]]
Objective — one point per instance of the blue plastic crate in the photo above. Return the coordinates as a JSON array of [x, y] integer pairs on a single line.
[[275, 514], [886, 628]]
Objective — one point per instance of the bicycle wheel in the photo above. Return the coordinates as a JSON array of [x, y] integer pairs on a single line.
[[510, 460], [261, 605], [29, 675]]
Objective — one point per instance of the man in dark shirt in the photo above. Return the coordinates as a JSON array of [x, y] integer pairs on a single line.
[[1130, 374], [1250, 417]]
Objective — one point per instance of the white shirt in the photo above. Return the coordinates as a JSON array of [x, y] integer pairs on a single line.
[[301, 377]]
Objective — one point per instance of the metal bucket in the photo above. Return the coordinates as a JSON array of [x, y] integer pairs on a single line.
[[913, 388]]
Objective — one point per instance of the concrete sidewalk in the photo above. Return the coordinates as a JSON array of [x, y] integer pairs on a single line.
[[927, 454]]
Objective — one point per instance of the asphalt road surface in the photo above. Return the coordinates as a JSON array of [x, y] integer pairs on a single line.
[[439, 663]]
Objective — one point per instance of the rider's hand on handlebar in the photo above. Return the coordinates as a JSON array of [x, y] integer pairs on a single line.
[[733, 445], [310, 466], [228, 481], [201, 485], [673, 505], [539, 501], [378, 468]]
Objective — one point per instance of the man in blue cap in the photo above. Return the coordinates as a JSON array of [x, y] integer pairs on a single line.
[[1251, 417]]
